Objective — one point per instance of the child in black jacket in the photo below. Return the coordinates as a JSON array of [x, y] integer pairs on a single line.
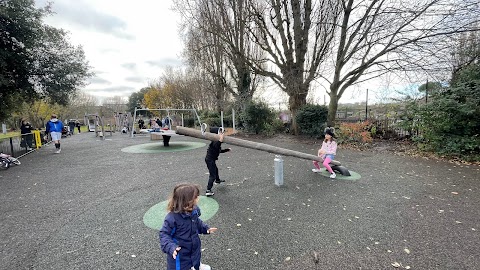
[[213, 151]]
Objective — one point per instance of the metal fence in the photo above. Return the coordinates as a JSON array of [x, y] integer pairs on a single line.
[[388, 128], [18, 145]]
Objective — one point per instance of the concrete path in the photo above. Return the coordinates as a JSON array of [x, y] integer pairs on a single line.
[[84, 208]]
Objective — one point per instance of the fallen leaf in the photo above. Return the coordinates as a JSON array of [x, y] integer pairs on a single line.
[[395, 264], [287, 259], [454, 193], [238, 225], [407, 251]]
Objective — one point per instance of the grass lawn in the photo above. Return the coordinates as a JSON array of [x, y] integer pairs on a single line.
[[9, 134]]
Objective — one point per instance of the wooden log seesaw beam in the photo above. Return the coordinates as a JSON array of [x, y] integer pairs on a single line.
[[249, 144]]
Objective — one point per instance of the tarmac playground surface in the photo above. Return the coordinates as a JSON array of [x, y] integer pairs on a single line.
[[96, 206]]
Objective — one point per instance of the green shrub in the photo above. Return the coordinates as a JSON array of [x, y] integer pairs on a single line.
[[257, 118], [311, 119], [213, 121], [450, 122]]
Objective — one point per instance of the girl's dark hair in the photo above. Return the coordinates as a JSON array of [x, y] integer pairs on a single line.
[[183, 198]]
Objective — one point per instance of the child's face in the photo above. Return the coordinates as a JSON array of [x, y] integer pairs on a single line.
[[197, 199], [328, 137]]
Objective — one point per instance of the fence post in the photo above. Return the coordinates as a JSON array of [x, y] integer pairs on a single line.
[[11, 146]]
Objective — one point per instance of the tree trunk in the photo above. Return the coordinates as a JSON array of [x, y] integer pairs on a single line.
[[332, 108], [296, 100]]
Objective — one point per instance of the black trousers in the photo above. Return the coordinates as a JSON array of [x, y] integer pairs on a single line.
[[27, 140], [213, 171]]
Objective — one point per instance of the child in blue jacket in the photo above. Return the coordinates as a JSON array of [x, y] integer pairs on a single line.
[[179, 234], [54, 126]]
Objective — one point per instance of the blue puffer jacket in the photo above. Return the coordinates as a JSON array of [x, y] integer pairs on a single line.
[[182, 230], [54, 125]]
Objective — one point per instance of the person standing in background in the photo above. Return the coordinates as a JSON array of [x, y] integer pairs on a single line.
[[27, 136], [77, 124], [71, 126]]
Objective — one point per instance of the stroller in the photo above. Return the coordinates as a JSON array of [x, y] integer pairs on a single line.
[[6, 161], [66, 132]]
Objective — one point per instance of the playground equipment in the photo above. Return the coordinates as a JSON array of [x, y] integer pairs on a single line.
[[166, 134], [96, 124], [168, 116], [202, 134], [122, 121]]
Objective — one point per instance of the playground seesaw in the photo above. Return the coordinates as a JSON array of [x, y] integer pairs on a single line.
[[166, 134], [336, 165]]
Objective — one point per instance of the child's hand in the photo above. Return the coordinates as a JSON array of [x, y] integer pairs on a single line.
[[212, 230], [174, 255]]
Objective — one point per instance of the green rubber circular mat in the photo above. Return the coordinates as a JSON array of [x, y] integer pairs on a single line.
[[353, 175], [154, 217], [152, 148]]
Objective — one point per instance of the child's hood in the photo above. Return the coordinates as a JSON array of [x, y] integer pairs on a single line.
[[195, 213]]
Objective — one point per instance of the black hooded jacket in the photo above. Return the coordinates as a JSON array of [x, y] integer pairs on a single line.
[[214, 150]]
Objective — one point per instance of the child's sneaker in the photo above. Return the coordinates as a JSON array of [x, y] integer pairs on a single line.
[[316, 170], [209, 193], [205, 267], [219, 181], [333, 175]]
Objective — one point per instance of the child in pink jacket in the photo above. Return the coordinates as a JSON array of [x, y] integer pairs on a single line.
[[327, 152]]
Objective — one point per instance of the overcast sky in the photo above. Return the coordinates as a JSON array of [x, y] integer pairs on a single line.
[[127, 43]]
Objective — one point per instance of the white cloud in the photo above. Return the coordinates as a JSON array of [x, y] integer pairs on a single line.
[[127, 43]]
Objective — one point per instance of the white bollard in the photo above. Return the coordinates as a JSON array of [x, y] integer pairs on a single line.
[[278, 161]]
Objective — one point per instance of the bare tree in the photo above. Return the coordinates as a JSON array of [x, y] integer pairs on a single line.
[[116, 104], [80, 104], [380, 36], [204, 51], [229, 22], [218, 43], [180, 88], [295, 37]]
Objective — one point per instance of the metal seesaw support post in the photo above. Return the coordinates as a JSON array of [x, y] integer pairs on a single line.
[[278, 164]]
